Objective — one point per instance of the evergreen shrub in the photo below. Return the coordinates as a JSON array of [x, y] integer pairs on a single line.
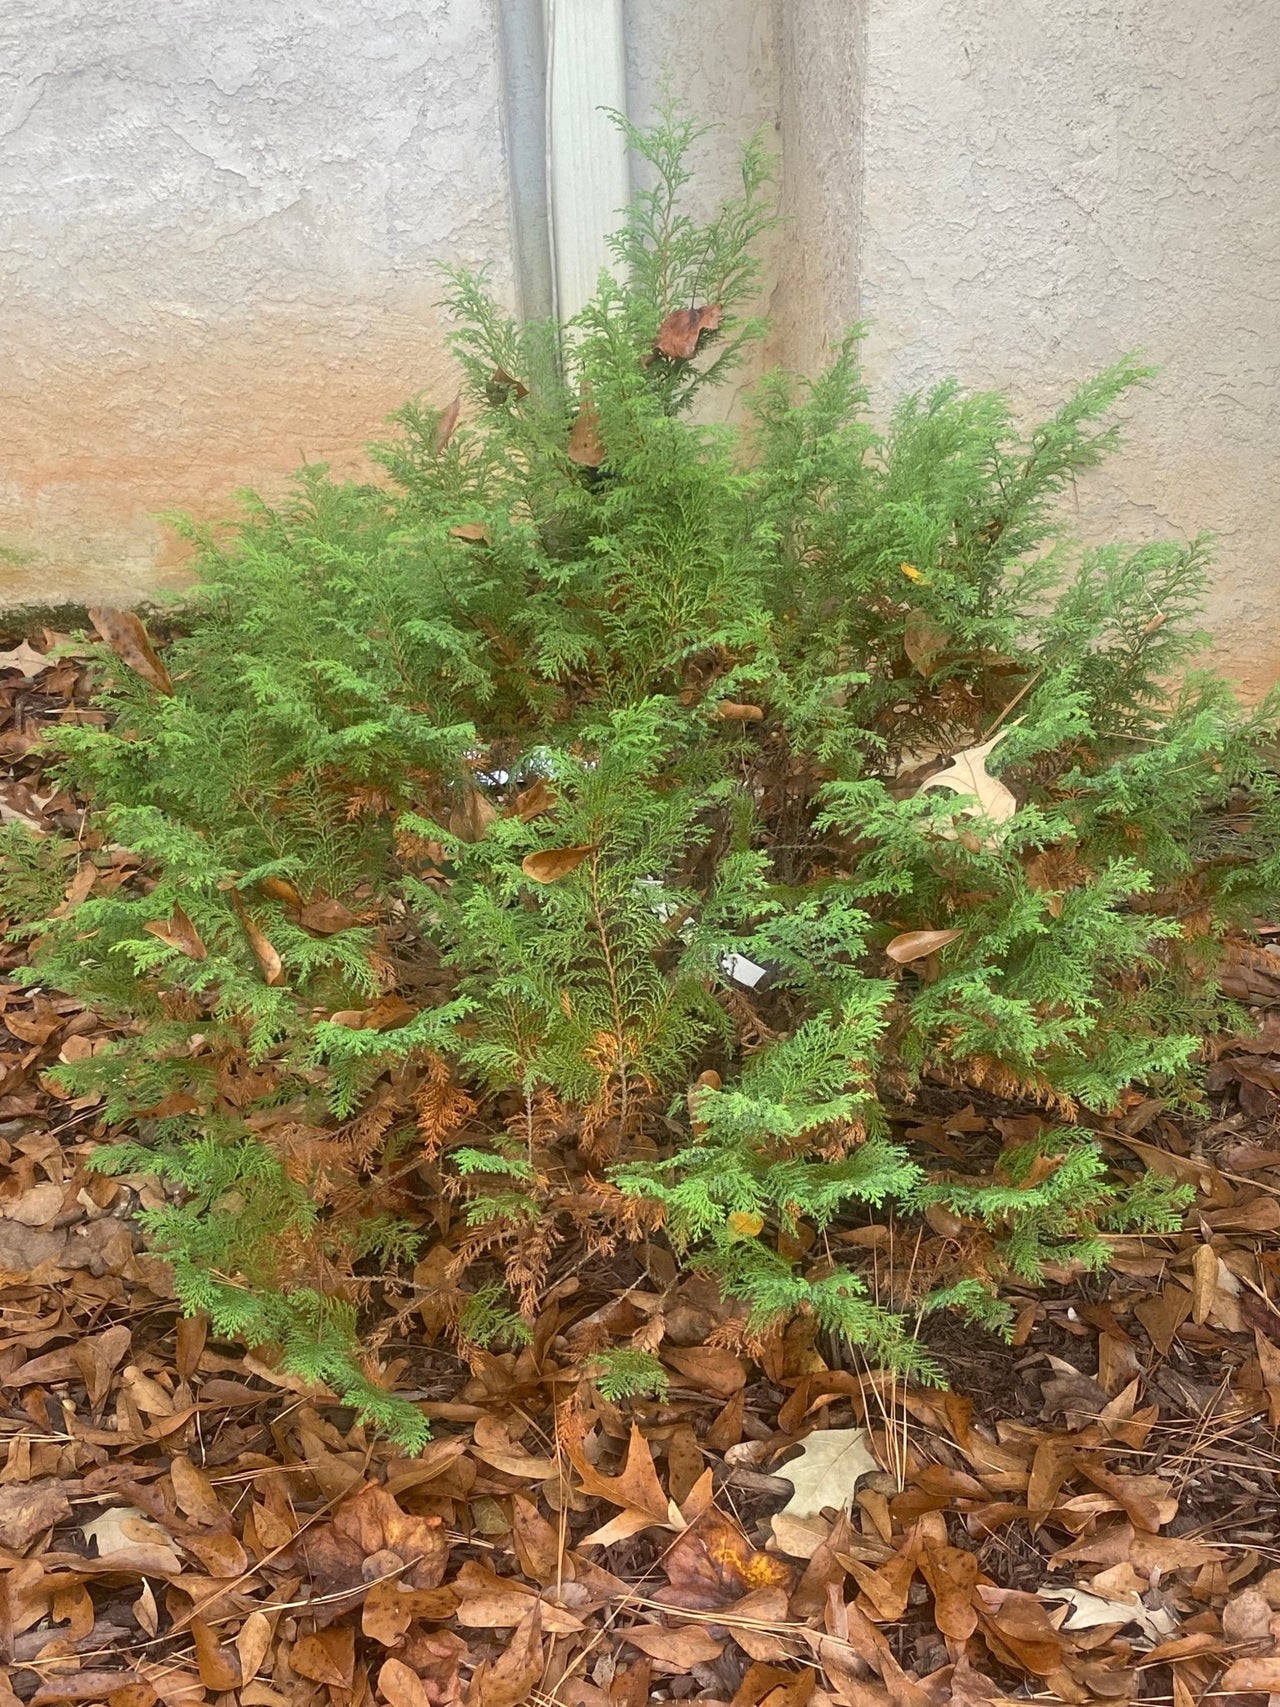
[[591, 828]]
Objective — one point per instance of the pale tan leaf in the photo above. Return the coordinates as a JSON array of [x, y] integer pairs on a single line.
[[27, 659], [967, 775], [472, 815], [924, 640], [734, 711], [831, 1464]]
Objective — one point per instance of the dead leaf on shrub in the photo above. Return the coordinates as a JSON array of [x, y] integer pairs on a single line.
[[269, 962], [326, 918], [472, 815], [679, 333], [179, 932], [548, 865], [914, 945], [125, 634], [446, 421], [967, 774], [585, 446], [924, 640]]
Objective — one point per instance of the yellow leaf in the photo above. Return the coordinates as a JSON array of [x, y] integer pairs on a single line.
[[745, 1224]]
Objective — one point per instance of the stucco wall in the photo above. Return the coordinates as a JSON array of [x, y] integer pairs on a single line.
[[1047, 183], [219, 222]]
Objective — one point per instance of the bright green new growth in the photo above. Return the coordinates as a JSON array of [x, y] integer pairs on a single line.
[[717, 664]]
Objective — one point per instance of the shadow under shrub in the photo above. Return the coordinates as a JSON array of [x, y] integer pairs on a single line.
[[533, 841]]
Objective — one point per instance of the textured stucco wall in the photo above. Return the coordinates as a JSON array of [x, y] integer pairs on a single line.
[[720, 62], [1047, 183], [821, 47], [218, 224]]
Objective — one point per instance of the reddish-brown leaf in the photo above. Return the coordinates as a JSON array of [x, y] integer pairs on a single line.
[[124, 633], [585, 445], [679, 333]]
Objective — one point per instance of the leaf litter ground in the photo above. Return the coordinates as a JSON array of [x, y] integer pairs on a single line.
[[1089, 1514]]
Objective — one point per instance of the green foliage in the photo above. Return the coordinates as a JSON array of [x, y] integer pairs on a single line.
[[625, 1372], [608, 730]]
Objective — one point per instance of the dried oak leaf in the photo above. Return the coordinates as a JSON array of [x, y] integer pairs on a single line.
[[712, 1565], [637, 1490], [27, 659], [679, 333], [967, 774], [124, 633], [832, 1462]]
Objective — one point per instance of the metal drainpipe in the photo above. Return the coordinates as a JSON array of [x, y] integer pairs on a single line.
[[564, 62]]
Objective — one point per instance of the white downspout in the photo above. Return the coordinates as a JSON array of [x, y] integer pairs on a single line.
[[588, 176]]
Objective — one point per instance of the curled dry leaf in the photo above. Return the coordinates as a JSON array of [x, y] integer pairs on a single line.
[[914, 945], [264, 952], [679, 333], [548, 865], [471, 816], [124, 633], [473, 533], [179, 932], [730, 711]]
